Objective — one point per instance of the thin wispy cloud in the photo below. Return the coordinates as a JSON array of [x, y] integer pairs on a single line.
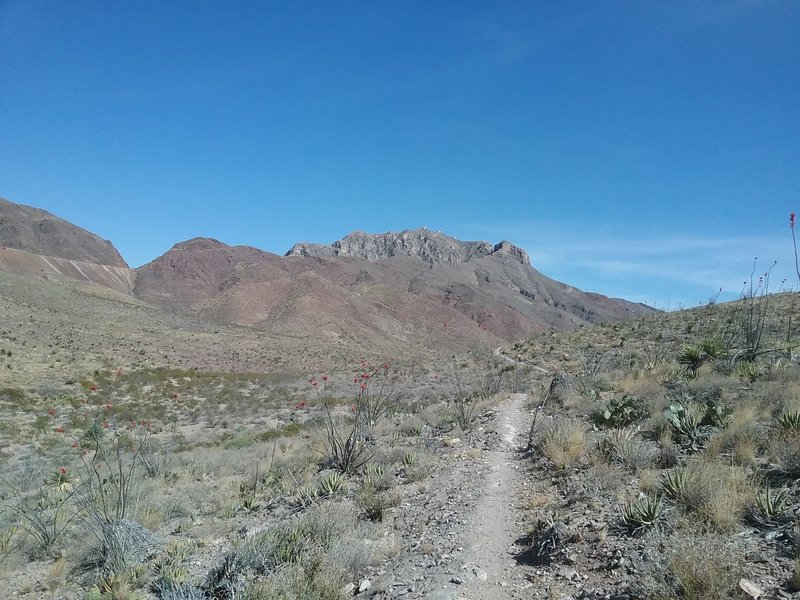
[[669, 269]]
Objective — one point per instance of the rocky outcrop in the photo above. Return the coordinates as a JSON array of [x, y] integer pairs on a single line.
[[506, 248], [432, 247], [310, 249], [38, 232]]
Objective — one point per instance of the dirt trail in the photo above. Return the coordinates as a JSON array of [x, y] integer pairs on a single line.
[[461, 533], [489, 553], [499, 354]]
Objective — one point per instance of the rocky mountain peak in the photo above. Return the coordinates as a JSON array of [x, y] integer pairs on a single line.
[[430, 246], [506, 248]]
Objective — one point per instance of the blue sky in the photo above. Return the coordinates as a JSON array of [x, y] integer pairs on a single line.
[[640, 149]]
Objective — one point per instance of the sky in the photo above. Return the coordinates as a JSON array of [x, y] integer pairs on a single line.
[[646, 150]]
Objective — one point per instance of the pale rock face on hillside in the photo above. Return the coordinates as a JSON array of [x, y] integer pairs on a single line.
[[431, 247]]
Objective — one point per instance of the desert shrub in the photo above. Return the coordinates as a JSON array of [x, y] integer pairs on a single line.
[[692, 567], [375, 502], [619, 412], [119, 549], [784, 449], [717, 493], [750, 371], [296, 581], [743, 423], [241, 438], [622, 446], [182, 591], [564, 443], [323, 543]]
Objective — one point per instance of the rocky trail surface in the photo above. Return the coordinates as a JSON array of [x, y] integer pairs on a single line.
[[463, 532]]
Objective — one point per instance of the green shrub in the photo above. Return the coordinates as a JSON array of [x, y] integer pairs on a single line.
[[619, 412]]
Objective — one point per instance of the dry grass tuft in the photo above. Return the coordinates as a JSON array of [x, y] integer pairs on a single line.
[[718, 493], [564, 444]]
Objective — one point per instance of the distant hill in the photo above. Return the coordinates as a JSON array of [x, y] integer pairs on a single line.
[[411, 289], [37, 231], [407, 286]]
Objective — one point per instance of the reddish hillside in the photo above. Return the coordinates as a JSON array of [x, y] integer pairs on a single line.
[[37, 231], [412, 287]]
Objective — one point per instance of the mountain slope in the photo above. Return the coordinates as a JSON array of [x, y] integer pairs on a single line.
[[415, 286], [37, 231], [413, 289]]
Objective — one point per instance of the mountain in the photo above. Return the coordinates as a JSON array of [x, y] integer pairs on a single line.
[[415, 286], [431, 247], [36, 231], [381, 292]]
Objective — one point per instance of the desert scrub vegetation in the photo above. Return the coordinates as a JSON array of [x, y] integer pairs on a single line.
[[312, 556], [128, 477], [564, 443], [691, 447]]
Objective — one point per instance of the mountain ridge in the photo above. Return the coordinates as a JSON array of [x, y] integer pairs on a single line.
[[413, 287], [431, 247], [37, 231]]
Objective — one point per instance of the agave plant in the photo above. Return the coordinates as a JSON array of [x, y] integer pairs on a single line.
[[332, 483], [772, 503], [618, 444], [62, 480], [549, 538], [376, 470], [674, 483], [409, 458], [790, 420], [642, 513]]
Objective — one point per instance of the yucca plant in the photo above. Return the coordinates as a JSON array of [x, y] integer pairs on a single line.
[[691, 357], [790, 420], [749, 371], [711, 348], [772, 503], [674, 483], [642, 513], [332, 483], [409, 458]]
